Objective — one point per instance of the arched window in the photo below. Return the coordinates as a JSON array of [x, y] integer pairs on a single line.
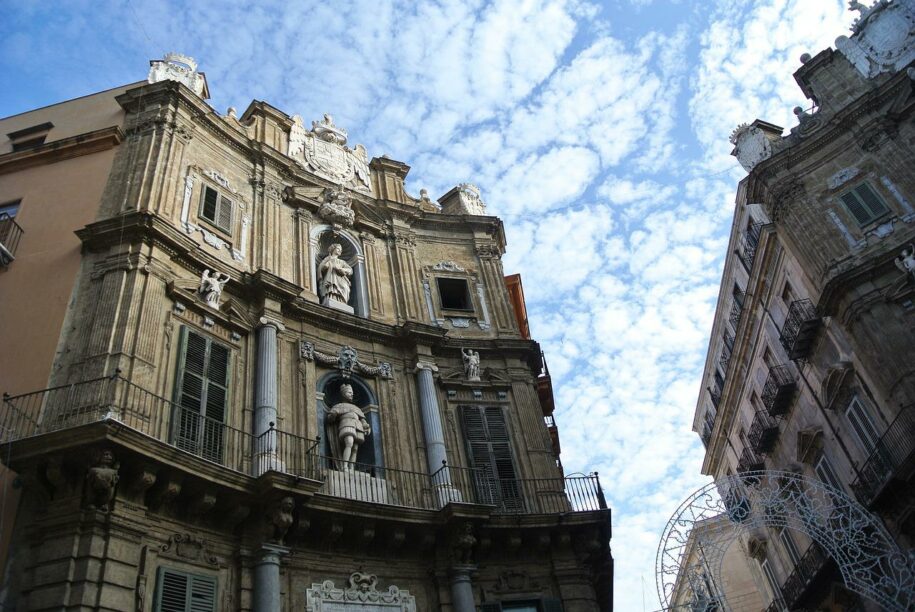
[[336, 288], [370, 455]]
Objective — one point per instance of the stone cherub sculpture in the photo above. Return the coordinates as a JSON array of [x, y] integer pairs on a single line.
[[471, 364], [463, 543], [211, 285], [349, 429], [906, 260], [334, 276], [280, 520], [101, 480]]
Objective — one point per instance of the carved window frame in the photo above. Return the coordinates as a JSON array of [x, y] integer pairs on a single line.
[[224, 198], [438, 314]]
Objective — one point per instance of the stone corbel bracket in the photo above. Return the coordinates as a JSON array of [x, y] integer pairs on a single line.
[[346, 360]]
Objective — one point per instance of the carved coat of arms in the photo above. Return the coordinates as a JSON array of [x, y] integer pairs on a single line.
[[323, 150]]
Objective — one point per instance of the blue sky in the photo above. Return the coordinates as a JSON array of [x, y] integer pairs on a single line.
[[597, 131]]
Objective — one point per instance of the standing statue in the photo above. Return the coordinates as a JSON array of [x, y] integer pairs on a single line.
[[334, 276], [471, 364], [906, 260], [101, 480], [211, 284], [280, 519], [350, 431]]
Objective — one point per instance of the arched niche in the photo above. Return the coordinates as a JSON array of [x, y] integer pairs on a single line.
[[371, 455], [322, 236]]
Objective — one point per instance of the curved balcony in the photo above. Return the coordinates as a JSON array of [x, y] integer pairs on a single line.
[[800, 329]]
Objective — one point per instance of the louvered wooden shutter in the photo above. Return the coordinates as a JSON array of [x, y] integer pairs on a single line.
[[856, 208], [489, 449], [208, 210], [864, 204], [202, 395], [181, 592], [224, 219]]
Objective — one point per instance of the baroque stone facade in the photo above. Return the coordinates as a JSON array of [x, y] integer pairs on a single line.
[[281, 382], [809, 366]]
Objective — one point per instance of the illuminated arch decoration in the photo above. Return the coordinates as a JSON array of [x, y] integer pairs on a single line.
[[869, 561]]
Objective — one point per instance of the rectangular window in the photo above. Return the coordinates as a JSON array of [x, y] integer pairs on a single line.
[[201, 395], [827, 474], [454, 294], [864, 204], [771, 581], [216, 208], [8, 210], [489, 450], [182, 592], [790, 548], [862, 424], [30, 137]]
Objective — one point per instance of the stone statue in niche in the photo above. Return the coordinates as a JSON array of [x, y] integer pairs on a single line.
[[906, 260], [211, 285], [471, 364], [334, 274], [463, 543], [101, 481], [349, 429]]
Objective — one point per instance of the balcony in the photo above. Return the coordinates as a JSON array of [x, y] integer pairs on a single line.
[[706, 434], [778, 392], [893, 458], [763, 433], [749, 241], [749, 462], [725, 357], [736, 312], [10, 233], [800, 329], [796, 586], [34, 418], [714, 393]]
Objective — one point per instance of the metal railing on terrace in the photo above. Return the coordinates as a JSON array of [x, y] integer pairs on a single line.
[[749, 241], [800, 328], [795, 586], [114, 398], [893, 457], [778, 392], [10, 234], [763, 433]]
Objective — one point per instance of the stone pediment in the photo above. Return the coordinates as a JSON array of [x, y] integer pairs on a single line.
[[230, 314], [323, 151]]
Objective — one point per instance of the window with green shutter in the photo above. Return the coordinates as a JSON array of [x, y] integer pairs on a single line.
[[864, 204], [216, 208], [182, 592], [489, 450], [201, 395]]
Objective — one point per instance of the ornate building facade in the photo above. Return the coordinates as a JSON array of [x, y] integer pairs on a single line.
[[262, 376], [809, 369]]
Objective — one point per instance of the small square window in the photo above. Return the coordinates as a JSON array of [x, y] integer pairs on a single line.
[[217, 209], [8, 210], [454, 294], [864, 204], [30, 137]]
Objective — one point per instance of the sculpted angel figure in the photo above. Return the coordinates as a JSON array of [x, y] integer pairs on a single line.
[[349, 428], [906, 260], [211, 285], [471, 364], [334, 274]]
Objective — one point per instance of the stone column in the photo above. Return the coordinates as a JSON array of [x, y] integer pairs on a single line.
[[360, 295], [433, 433], [462, 589], [265, 443], [267, 578]]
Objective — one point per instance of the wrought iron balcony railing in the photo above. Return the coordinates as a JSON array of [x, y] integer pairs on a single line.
[[749, 461], [795, 587], [117, 399], [800, 329], [893, 457], [725, 357], [706, 434], [10, 233], [749, 241], [714, 393], [735, 314], [763, 433], [778, 392]]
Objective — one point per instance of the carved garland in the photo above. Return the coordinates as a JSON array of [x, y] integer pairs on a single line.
[[361, 588], [187, 546], [346, 360]]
